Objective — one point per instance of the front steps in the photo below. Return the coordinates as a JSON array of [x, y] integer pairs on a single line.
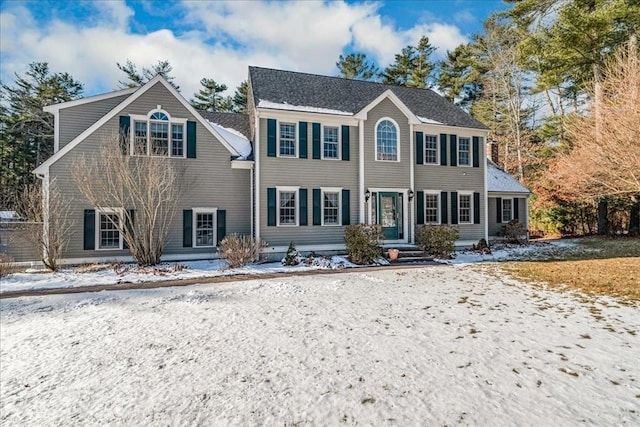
[[408, 255]]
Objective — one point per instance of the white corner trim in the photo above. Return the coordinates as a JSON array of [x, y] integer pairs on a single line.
[[413, 119], [361, 171], [89, 99], [111, 114]]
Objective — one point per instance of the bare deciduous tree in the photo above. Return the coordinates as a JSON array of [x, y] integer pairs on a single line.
[[146, 188], [48, 225]]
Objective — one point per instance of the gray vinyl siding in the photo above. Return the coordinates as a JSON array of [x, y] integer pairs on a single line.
[[307, 173], [209, 180], [74, 120], [495, 228], [455, 178], [386, 174]]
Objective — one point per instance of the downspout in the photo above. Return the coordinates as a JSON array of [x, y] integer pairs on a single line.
[[361, 170], [486, 192], [251, 203], [45, 211], [256, 158], [411, 184]]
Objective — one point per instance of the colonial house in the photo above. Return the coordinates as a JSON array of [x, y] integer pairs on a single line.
[[312, 155]]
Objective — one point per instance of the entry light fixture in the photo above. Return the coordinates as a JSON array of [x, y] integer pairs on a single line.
[[410, 195], [367, 195]]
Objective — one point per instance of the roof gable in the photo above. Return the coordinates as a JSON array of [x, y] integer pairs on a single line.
[[43, 168], [89, 99], [388, 94], [350, 96]]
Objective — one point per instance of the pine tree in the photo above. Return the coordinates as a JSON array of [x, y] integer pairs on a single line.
[[412, 66], [240, 98], [210, 98], [356, 66], [26, 131], [135, 78]]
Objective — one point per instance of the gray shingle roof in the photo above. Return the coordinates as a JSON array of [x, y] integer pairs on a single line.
[[499, 181], [336, 93], [237, 121]]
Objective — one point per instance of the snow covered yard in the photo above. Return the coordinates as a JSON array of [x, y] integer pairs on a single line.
[[455, 344]]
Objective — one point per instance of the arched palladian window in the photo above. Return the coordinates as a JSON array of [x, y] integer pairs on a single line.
[[387, 140], [158, 134]]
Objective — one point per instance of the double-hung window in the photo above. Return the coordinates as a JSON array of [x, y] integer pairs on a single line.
[[431, 207], [507, 210], [430, 150], [387, 140], [287, 140], [464, 209], [287, 206], [331, 206], [158, 134], [464, 150], [109, 228], [330, 142]]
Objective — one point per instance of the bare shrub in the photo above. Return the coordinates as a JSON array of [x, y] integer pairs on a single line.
[[239, 250], [437, 240], [363, 243], [147, 189], [48, 225], [515, 232], [7, 265]]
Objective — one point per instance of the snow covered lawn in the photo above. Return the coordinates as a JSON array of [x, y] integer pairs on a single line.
[[453, 344]]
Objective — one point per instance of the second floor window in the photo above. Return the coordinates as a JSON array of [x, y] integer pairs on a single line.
[[158, 135], [386, 141], [330, 143], [287, 139], [431, 149], [463, 151]]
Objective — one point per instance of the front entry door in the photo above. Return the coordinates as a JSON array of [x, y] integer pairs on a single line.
[[388, 215]]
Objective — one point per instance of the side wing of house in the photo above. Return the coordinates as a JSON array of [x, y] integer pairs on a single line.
[[216, 197], [507, 199]]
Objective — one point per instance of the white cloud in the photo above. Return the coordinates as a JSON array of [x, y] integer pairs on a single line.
[[224, 38]]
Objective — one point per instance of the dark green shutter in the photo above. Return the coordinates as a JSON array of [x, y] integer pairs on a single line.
[[345, 142], [191, 140], [125, 125], [346, 207], [221, 226], [476, 152], [304, 215], [516, 215], [476, 208], [129, 222], [187, 228], [454, 207], [271, 137], [271, 207], [454, 149], [499, 210], [317, 206], [316, 140], [302, 128], [443, 149], [419, 149], [443, 207], [420, 207], [89, 229]]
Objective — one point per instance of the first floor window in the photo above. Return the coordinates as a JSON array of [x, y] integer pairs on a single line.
[[431, 208], [431, 149], [288, 139], [203, 229], [463, 151], [330, 148], [109, 225], [287, 208], [464, 208], [331, 208], [507, 210]]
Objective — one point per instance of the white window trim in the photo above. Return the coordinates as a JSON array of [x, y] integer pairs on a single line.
[[424, 150], [194, 222], [295, 142], [470, 151], [147, 119], [339, 151], [120, 213], [324, 190], [438, 209], [470, 194], [375, 137], [297, 207], [502, 210]]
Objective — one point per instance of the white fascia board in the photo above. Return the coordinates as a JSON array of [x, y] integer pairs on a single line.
[[56, 107], [306, 116], [111, 114], [242, 164], [432, 127], [494, 194], [388, 94]]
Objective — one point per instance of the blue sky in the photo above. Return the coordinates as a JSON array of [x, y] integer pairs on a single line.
[[220, 39]]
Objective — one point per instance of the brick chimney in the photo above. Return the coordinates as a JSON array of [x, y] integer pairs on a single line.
[[492, 151]]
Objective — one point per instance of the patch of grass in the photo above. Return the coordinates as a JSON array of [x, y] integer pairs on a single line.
[[605, 266]]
